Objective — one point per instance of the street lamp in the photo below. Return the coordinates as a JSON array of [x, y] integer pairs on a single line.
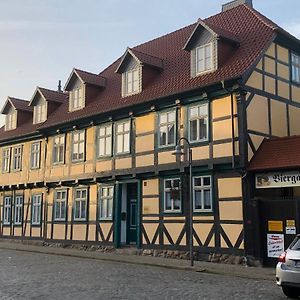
[[179, 152]]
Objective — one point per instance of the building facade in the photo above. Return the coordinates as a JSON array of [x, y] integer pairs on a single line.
[[94, 163]]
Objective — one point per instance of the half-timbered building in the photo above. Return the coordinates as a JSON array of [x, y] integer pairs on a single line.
[[93, 164]]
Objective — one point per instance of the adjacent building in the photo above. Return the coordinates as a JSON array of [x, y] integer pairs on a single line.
[[94, 163]]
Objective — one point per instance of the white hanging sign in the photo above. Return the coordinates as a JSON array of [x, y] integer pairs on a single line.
[[275, 245], [277, 180]]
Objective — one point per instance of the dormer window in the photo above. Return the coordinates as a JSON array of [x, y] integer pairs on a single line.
[[11, 121], [132, 81], [203, 60], [40, 113], [76, 99]]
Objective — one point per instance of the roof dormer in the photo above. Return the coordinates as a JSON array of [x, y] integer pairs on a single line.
[[132, 67], [82, 86], [204, 44], [44, 101], [17, 112]]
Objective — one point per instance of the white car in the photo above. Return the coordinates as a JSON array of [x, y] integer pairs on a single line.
[[288, 270]]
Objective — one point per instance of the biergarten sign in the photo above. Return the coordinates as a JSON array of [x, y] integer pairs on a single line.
[[277, 180]]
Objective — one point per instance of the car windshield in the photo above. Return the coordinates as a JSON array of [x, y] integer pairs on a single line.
[[295, 245]]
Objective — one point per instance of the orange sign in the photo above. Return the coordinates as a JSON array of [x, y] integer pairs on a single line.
[[275, 226]]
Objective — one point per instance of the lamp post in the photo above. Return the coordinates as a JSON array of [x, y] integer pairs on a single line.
[[179, 152]]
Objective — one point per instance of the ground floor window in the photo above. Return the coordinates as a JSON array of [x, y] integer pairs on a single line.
[[36, 209], [106, 196], [80, 205], [18, 216], [202, 194], [172, 197], [60, 205], [7, 210]]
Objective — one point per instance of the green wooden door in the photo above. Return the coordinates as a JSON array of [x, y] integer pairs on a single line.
[[131, 213]]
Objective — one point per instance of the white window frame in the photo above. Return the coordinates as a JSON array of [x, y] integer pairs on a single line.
[[165, 190], [58, 143], [167, 124], [106, 195], [77, 99], [198, 118], [105, 139], [7, 210], [35, 155], [18, 210], [58, 204], [36, 209], [204, 58], [123, 134], [132, 84], [11, 121], [78, 141], [17, 158], [81, 200], [295, 65], [40, 112], [6, 160], [202, 188]]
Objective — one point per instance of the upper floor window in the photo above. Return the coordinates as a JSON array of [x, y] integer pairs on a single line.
[[172, 197], [6, 160], [18, 215], [11, 121], [202, 198], [167, 126], [60, 205], [17, 158], [295, 68], [76, 99], [36, 210], [80, 205], [78, 145], [35, 155], [123, 137], [132, 81], [40, 113], [7, 210], [198, 122], [106, 196], [204, 58], [58, 149], [104, 140]]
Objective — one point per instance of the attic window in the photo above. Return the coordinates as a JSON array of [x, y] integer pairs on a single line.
[[40, 113], [204, 57], [131, 82], [11, 121], [76, 99]]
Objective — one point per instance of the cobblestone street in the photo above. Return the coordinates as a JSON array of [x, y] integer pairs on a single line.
[[25, 275]]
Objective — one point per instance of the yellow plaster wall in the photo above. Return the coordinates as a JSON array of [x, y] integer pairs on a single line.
[[202, 231], [270, 65], [257, 114], [222, 150], [200, 152], [144, 143], [174, 230], [283, 71], [294, 120], [232, 231], [230, 187], [295, 93], [151, 205], [282, 54], [145, 160], [283, 89], [231, 210], [150, 229], [124, 163], [166, 157], [222, 129], [222, 107], [145, 123], [151, 187], [255, 80], [79, 232], [270, 85], [271, 50], [103, 165], [278, 118]]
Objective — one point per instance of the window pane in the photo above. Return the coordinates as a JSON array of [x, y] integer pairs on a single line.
[[168, 201], [126, 142], [171, 136], [177, 204], [120, 144], [163, 135], [197, 200], [193, 130], [163, 118], [108, 146], [203, 128], [197, 181], [126, 126], [207, 199], [206, 181]]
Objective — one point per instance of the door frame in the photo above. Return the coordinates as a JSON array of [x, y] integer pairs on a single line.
[[117, 211]]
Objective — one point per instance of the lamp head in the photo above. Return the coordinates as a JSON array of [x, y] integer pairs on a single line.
[[178, 151]]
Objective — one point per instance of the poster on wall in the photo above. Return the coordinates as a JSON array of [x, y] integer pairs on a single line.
[[275, 245]]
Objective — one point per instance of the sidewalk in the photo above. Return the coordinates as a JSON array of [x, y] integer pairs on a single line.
[[200, 266]]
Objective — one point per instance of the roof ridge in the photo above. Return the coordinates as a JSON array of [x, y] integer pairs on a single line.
[[55, 91], [146, 53], [259, 16], [86, 72], [18, 99]]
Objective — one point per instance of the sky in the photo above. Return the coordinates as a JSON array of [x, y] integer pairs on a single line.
[[41, 41]]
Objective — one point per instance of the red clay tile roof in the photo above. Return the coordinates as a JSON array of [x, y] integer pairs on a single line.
[[20, 104], [277, 153], [54, 96], [90, 78], [253, 31]]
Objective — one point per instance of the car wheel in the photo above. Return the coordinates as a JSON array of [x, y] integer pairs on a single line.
[[291, 292]]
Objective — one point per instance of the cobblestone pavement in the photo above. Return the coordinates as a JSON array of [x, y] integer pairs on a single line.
[[25, 275]]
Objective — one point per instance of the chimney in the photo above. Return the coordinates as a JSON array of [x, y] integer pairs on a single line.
[[59, 86], [236, 3]]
